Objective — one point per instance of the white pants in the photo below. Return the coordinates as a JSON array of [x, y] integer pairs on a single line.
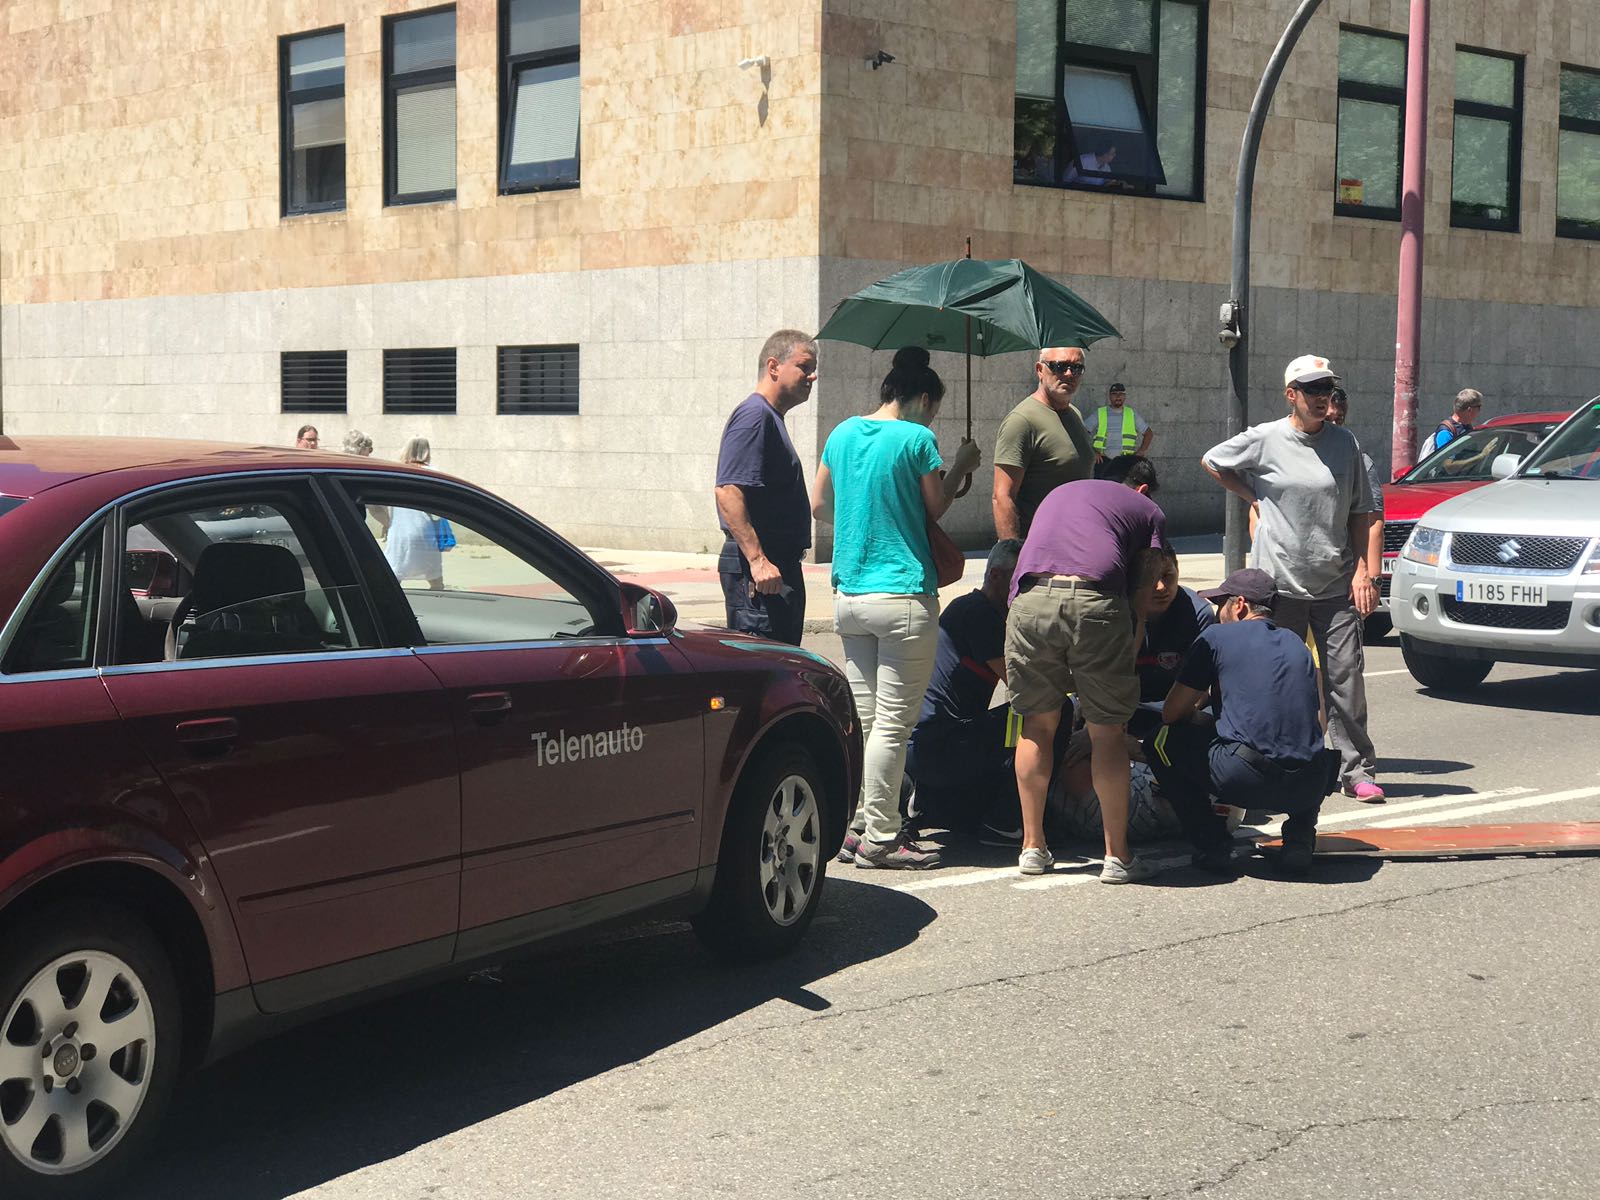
[[889, 645]]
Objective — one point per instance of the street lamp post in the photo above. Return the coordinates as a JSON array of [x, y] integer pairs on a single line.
[[1236, 313]]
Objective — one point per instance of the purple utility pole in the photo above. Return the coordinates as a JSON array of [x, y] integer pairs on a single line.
[[1408, 318]]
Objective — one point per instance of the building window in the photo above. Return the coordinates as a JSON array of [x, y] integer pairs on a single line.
[[315, 381], [311, 121], [538, 379], [1372, 99], [1110, 95], [419, 107], [538, 94], [1578, 168], [1486, 163], [419, 381]]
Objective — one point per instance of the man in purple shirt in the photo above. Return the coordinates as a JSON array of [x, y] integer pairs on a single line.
[[1070, 629]]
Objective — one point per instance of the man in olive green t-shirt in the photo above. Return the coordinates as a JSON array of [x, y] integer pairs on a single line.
[[1043, 443]]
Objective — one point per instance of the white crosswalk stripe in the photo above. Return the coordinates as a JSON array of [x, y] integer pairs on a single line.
[[1425, 810], [1479, 810], [1376, 812]]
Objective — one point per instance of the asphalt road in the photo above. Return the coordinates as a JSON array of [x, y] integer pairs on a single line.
[[1413, 1029]]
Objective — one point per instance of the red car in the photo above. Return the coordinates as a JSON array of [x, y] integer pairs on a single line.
[[269, 747], [1463, 465]]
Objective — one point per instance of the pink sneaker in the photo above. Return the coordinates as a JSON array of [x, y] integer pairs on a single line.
[[1366, 791]]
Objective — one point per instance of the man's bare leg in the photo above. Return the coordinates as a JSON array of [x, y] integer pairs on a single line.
[[1035, 760], [1111, 769]]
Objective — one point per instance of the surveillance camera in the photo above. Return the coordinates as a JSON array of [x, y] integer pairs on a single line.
[[1228, 336], [880, 58], [759, 60]]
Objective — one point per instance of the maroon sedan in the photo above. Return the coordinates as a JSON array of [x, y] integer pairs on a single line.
[[269, 745]]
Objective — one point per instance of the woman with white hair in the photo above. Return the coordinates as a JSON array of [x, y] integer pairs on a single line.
[[412, 546]]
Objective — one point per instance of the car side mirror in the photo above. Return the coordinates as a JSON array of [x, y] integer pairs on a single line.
[[646, 611], [1505, 465], [152, 573]]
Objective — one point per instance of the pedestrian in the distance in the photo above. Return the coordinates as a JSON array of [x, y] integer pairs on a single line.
[[411, 543], [1469, 403], [1042, 443], [1116, 429], [1338, 413], [761, 496], [357, 443], [1320, 537], [307, 438], [879, 484]]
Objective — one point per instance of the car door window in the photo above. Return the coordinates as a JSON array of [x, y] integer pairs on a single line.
[[259, 575], [466, 583], [59, 630]]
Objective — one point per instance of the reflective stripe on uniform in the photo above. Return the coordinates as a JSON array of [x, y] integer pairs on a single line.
[[1130, 434], [1160, 745]]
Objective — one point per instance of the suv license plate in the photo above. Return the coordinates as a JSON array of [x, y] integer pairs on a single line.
[[1490, 591], [1388, 564]]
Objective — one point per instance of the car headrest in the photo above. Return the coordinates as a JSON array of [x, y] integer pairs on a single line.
[[230, 573]]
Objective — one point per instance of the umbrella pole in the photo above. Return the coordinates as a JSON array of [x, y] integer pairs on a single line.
[[966, 485]]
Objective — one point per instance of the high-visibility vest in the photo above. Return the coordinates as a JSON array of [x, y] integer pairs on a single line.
[[1130, 436]]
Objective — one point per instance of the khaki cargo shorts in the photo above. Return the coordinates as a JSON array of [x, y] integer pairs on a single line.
[[1063, 636]]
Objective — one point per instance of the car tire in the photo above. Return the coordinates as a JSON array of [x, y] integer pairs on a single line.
[[117, 1064], [772, 867], [1440, 673]]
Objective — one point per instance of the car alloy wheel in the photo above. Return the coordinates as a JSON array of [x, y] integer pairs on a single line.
[[770, 869], [77, 1059], [790, 849]]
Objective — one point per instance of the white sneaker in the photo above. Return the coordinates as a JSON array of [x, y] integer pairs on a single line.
[[1135, 870], [1035, 862]]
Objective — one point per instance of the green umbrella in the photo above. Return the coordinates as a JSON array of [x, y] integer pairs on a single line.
[[982, 306], [979, 306]]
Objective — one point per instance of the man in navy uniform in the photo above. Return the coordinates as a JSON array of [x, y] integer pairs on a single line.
[[1266, 751]]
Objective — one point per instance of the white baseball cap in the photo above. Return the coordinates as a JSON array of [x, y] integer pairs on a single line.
[[1308, 368]]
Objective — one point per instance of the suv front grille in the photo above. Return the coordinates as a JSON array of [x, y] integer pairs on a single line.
[[1395, 534], [1507, 616], [1523, 551]]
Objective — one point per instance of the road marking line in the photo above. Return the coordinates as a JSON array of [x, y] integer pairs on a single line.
[[978, 875], [1376, 813], [1478, 810], [1055, 880], [1380, 674]]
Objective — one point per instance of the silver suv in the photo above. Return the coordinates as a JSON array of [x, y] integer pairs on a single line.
[[1510, 572]]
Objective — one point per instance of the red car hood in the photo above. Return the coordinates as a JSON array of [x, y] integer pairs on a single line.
[[1408, 501]]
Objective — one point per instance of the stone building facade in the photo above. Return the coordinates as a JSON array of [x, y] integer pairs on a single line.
[[156, 264]]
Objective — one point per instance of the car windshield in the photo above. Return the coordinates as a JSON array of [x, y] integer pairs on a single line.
[[1573, 451], [1469, 457], [7, 503]]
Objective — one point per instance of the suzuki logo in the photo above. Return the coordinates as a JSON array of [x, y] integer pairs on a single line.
[[1508, 550]]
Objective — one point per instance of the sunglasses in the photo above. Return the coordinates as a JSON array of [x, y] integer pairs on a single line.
[[1065, 368], [1314, 389]]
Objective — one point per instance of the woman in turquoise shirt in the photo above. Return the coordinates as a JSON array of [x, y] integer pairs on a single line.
[[879, 484]]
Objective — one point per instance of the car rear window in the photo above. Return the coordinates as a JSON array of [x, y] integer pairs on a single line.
[[7, 503]]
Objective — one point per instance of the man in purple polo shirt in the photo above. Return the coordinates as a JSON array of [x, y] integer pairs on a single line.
[[1071, 629]]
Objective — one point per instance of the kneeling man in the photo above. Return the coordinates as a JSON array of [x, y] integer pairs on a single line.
[[1266, 751]]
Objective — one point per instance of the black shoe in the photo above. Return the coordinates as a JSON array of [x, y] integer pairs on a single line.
[[1003, 839], [1294, 858], [1217, 861]]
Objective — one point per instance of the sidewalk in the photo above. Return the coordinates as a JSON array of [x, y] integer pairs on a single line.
[[692, 583]]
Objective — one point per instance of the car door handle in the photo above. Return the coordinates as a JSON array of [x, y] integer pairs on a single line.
[[208, 735], [489, 706]]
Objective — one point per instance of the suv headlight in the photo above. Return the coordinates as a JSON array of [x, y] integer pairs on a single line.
[[1592, 567], [1424, 545]]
